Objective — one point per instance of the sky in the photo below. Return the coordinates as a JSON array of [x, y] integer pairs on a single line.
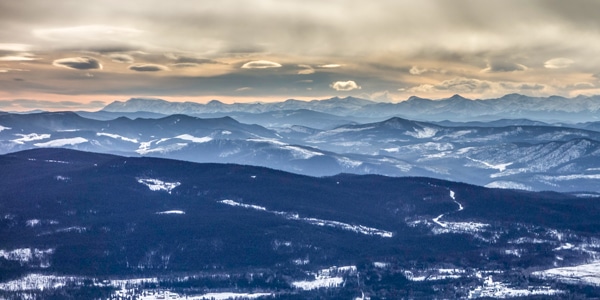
[[63, 54]]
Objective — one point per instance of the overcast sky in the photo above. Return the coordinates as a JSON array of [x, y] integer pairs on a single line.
[[83, 54]]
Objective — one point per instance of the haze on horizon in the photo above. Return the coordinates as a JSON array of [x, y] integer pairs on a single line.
[[85, 54]]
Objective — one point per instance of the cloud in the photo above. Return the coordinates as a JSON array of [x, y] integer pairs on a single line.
[[148, 68], [29, 104], [345, 86], [14, 47], [185, 65], [383, 96], [496, 66], [464, 85], [6, 70], [78, 63], [417, 71], [104, 38], [306, 70], [18, 57], [558, 63], [242, 89], [330, 66], [260, 64], [187, 59], [121, 58]]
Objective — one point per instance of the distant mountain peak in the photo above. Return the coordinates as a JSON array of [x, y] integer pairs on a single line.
[[457, 97]]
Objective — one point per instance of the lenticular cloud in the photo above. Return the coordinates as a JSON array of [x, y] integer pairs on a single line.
[[78, 63]]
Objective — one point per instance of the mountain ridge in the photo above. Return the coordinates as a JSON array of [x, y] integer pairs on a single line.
[[551, 108]]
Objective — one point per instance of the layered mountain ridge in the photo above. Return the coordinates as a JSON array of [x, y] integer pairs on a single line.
[[455, 108]]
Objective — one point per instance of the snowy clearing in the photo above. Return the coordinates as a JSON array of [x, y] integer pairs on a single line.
[[117, 137], [193, 139], [491, 289], [425, 133], [318, 222], [30, 137], [158, 185], [511, 185], [583, 274], [499, 167], [62, 142], [171, 212]]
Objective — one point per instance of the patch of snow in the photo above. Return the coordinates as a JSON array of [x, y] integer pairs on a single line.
[[117, 137], [526, 240], [266, 140], [56, 161], [454, 135], [77, 229], [508, 185], [434, 274], [344, 226], [30, 137], [158, 185], [583, 274], [566, 246], [225, 132], [425, 133], [307, 285], [349, 163], [351, 144], [571, 177], [464, 150], [229, 153], [2, 128], [38, 282], [301, 261], [62, 178], [123, 283], [233, 203], [68, 130], [301, 153], [62, 142], [171, 212], [585, 195], [161, 140], [318, 222], [227, 295], [428, 146], [26, 255], [514, 252], [460, 227], [499, 167], [145, 148], [380, 265], [392, 150], [491, 289], [193, 139], [33, 222]]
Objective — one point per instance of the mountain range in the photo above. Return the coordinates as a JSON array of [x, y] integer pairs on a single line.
[[533, 156], [134, 225], [455, 108], [340, 198]]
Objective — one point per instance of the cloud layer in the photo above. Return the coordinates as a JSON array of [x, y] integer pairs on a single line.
[[299, 49], [78, 63], [260, 64]]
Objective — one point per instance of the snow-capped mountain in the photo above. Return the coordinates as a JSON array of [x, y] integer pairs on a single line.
[[455, 108], [533, 157]]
